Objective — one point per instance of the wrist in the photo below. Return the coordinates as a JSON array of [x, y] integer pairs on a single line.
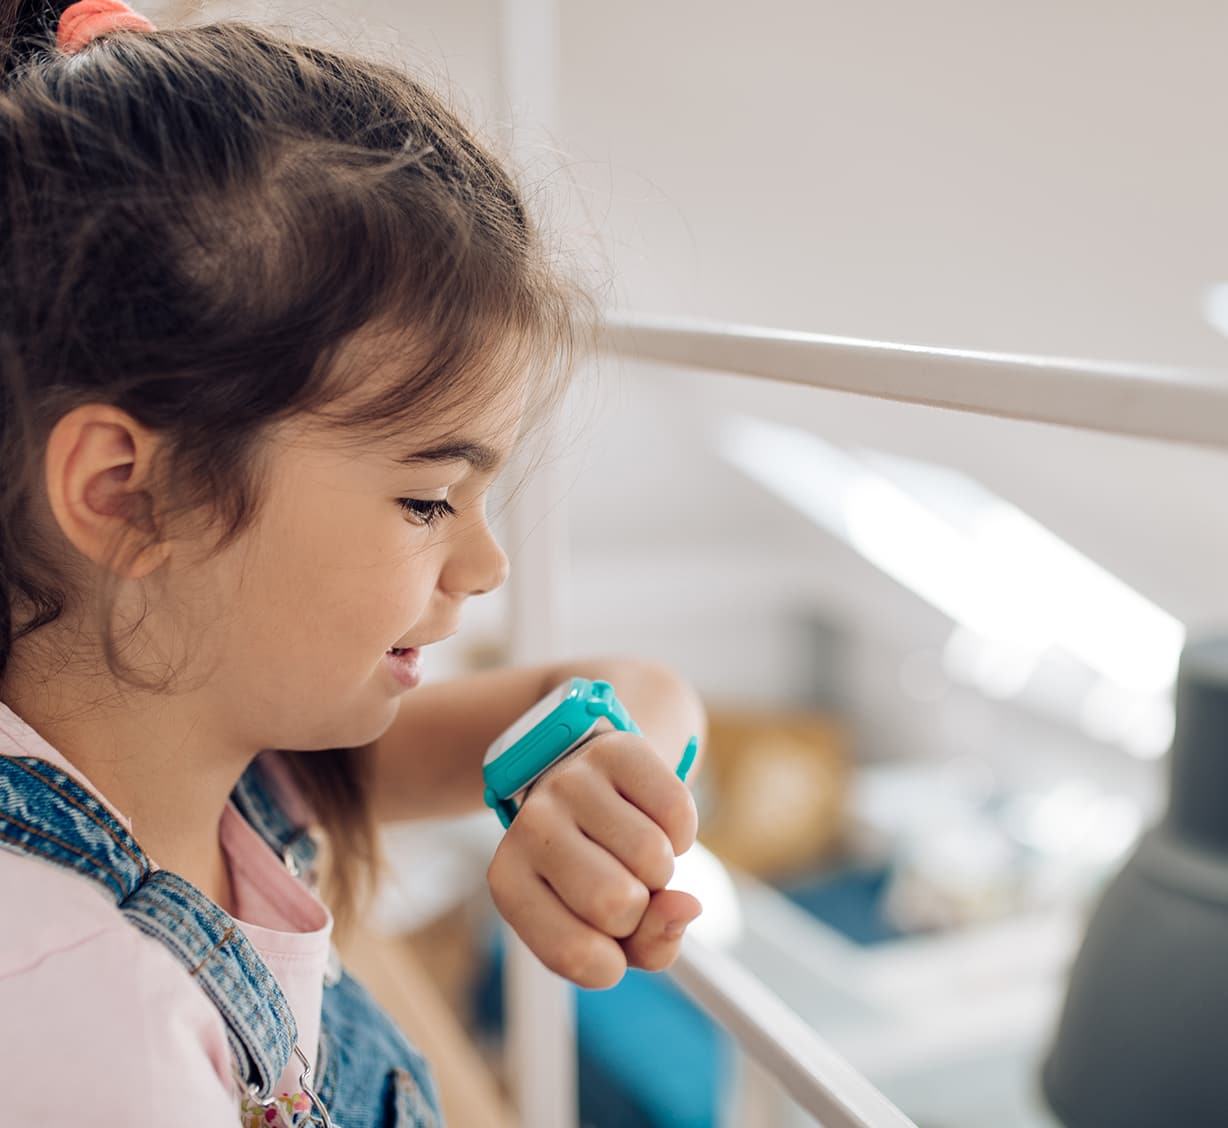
[[566, 717], [667, 708], [569, 715]]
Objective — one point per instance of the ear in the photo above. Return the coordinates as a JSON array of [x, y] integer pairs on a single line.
[[99, 463]]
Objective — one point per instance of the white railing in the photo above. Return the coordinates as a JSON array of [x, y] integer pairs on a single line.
[[1115, 398], [782, 1044], [1124, 399], [541, 1037]]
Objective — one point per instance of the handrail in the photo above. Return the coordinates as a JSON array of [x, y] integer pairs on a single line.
[[1143, 401], [810, 1071]]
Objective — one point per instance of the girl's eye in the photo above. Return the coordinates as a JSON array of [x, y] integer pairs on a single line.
[[426, 512]]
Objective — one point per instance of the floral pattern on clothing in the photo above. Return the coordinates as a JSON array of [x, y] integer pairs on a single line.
[[412, 1104], [286, 1111]]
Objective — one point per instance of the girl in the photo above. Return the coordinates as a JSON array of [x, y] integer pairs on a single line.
[[271, 321]]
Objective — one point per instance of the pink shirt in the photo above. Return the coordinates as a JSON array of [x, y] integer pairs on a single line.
[[99, 1023]]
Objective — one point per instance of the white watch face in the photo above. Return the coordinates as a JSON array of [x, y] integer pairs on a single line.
[[527, 720]]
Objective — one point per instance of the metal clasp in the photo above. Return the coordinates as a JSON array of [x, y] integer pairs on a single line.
[[326, 1121], [287, 856], [310, 875], [317, 1105]]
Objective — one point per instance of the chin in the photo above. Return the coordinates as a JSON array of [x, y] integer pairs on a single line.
[[379, 721], [353, 728]]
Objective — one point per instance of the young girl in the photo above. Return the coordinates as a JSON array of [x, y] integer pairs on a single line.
[[271, 321]]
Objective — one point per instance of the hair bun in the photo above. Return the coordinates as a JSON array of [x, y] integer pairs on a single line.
[[82, 21]]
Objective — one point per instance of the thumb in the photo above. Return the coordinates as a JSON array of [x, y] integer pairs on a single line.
[[654, 944]]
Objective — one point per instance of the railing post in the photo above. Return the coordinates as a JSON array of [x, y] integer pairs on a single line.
[[538, 1005]]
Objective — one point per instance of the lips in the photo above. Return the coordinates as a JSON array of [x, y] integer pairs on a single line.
[[403, 664]]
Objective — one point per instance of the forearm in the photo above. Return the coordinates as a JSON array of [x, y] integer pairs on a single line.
[[429, 763]]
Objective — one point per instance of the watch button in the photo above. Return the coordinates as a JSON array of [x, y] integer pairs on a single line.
[[558, 738]]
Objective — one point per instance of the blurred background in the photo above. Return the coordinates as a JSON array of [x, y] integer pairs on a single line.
[[930, 745]]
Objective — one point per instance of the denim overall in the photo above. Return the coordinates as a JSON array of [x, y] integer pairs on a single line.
[[369, 1074]]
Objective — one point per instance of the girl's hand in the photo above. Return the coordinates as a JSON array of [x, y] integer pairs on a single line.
[[581, 872]]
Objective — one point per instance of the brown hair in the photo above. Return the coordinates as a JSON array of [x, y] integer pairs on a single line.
[[193, 225]]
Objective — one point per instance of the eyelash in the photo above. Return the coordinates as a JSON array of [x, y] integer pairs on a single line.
[[426, 513]]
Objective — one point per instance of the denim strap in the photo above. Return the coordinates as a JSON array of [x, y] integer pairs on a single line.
[[46, 813], [255, 797]]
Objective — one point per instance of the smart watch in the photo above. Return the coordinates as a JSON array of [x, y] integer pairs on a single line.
[[557, 725]]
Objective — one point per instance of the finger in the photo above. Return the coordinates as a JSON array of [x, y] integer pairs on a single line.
[[591, 882], [562, 941], [654, 944], [646, 781], [617, 824]]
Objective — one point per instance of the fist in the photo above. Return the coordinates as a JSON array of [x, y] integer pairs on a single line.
[[581, 872]]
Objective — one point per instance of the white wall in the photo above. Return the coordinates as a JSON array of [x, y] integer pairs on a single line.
[[1044, 178]]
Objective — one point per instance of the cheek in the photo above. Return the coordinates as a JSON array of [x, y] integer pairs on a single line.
[[281, 594], [342, 610], [310, 555], [327, 586]]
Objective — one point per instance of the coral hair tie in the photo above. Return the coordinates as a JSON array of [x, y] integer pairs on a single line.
[[82, 21]]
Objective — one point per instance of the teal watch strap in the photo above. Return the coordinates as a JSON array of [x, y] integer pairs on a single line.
[[602, 703], [568, 725]]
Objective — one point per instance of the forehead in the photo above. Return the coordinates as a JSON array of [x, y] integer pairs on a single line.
[[472, 415], [479, 425], [481, 456]]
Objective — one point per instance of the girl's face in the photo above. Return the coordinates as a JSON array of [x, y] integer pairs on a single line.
[[355, 551]]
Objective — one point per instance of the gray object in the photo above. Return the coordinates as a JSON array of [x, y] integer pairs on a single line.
[[1143, 1038]]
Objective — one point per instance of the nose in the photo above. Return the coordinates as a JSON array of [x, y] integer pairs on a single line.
[[477, 564]]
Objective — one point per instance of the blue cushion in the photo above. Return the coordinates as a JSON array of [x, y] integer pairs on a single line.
[[649, 1058]]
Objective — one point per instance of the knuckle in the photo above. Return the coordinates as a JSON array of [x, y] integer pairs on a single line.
[[654, 860], [495, 877], [681, 816], [563, 958], [574, 958], [607, 976], [617, 906], [506, 892], [604, 970], [691, 826]]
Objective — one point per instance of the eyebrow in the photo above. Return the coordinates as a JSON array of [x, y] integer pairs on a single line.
[[480, 456]]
